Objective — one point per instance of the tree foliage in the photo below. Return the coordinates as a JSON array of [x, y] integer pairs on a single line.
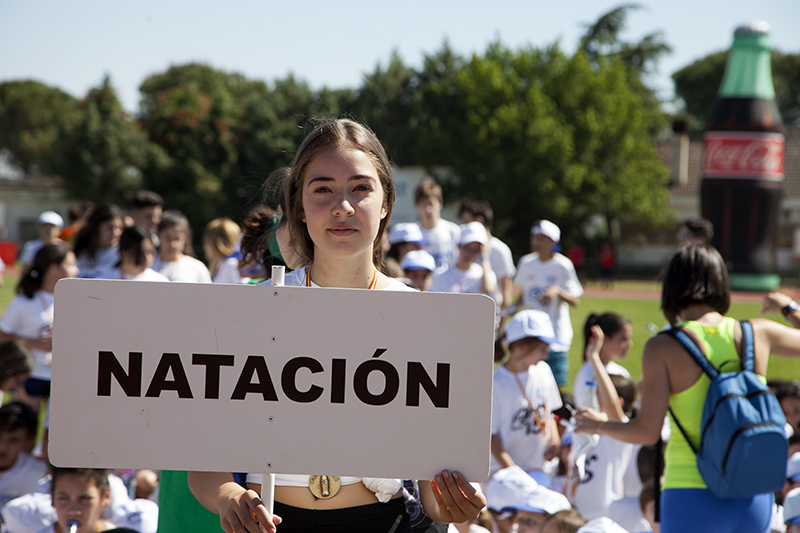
[[30, 116], [602, 40], [103, 152], [541, 134], [223, 134]]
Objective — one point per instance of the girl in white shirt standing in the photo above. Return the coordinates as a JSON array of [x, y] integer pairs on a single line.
[[175, 259], [339, 200], [220, 241], [618, 334], [97, 244], [136, 251], [29, 316]]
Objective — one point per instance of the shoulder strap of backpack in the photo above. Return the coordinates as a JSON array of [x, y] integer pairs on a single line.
[[748, 351], [702, 361], [688, 344], [683, 432]]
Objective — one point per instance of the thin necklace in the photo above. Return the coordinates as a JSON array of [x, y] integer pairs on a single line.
[[536, 417], [372, 284]]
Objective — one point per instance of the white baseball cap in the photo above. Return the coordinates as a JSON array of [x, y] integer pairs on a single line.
[[791, 507], [531, 323], [473, 232], [512, 488], [602, 525], [405, 232], [418, 260], [51, 217], [548, 229], [139, 514]]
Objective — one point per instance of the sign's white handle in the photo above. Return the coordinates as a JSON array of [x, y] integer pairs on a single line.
[[268, 491], [268, 480]]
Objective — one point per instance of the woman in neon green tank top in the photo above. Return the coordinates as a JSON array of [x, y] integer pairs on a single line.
[[695, 295]]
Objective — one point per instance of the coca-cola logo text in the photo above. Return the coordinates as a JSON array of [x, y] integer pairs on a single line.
[[757, 155]]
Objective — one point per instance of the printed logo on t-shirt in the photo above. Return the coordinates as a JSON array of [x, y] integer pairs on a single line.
[[523, 420], [587, 473]]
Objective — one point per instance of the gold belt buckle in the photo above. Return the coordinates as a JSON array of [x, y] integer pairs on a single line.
[[324, 487]]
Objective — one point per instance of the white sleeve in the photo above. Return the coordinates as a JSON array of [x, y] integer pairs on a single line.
[[497, 410], [571, 283], [503, 263], [551, 387], [228, 272], [204, 276], [579, 387], [9, 324]]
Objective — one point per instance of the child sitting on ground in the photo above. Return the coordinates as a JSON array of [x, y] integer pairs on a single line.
[[16, 364], [524, 432], [79, 497], [19, 472]]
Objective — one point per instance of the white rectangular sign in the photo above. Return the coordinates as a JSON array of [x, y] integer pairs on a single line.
[[237, 378]]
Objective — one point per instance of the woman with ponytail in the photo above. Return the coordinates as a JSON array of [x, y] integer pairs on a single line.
[[617, 332]]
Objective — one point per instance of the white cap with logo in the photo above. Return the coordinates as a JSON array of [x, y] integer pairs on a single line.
[[405, 232], [512, 488], [418, 260], [531, 323], [473, 232], [548, 229], [51, 217]]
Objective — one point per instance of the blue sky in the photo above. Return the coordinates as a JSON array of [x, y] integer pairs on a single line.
[[73, 44]]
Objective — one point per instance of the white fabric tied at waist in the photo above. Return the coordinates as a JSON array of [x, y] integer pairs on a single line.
[[383, 488]]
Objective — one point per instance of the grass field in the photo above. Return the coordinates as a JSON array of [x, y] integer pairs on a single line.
[[640, 312]]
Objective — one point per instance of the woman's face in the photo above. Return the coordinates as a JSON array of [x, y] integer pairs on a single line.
[[343, 203], [78, 498], [420, 279], [404, 247], [619, 344], [109, 233], [14, 382], [148, 250], [535, 352], [65, 269], [530, 522], [173, 241]]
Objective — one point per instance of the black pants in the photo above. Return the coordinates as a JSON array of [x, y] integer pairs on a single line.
[[373, 518]]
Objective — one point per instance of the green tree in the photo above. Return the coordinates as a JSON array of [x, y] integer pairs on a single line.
[[223, 134], [602, 39], [30, 116], [540, 134], [190, 113], [697, 85], [101, 154], [389, 102]]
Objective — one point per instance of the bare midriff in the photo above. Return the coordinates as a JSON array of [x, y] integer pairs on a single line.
[[348, 496]]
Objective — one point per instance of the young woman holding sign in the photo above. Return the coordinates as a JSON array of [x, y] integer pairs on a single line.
[[339, 200]]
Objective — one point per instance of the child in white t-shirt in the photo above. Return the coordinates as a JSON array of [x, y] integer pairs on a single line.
[[524, 432], [617, 342], [220, 244], [79, 497], [440, 236], [174, 259], [597, 480], [19, 472]]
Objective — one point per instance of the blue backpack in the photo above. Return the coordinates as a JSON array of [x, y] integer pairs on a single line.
[[743, 447]]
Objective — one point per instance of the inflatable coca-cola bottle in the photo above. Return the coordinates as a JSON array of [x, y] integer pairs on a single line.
[[742, 182]]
